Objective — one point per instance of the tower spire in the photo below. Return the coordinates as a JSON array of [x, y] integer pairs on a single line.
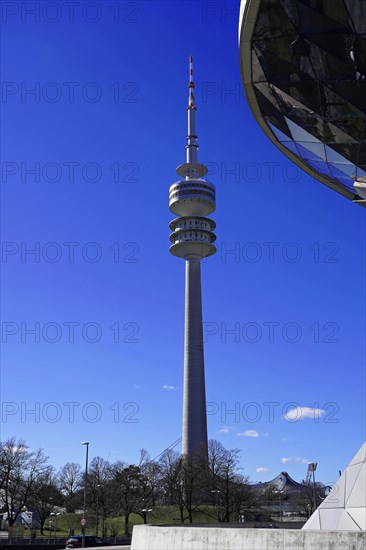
[[192, 145], [191, 104], [191, 168]]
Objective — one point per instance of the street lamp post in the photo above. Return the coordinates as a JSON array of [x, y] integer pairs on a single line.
[[52, 505], [54, 515], [145, 511], [281, 507], [83, 522], [97, 512]]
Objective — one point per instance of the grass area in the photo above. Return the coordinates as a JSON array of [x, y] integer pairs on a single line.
[[115, 526], [159, 515]]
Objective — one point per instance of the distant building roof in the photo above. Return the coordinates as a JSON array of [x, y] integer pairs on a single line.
[[282, 483]]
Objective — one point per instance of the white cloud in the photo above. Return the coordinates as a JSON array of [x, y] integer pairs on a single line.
[[261, 470], [299, 413], [249, 433], [266, 434], [137, 387], [224, 430], [295, 459], [169, 388]]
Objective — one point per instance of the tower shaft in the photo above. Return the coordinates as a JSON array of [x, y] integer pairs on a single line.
[[194, 435]]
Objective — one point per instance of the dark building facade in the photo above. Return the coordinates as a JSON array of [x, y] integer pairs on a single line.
[[303, 65]]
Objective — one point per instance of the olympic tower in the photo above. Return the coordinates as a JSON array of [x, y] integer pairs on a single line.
[[192, 198]]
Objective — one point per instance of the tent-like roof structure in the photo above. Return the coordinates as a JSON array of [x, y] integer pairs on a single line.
[[282, 483]]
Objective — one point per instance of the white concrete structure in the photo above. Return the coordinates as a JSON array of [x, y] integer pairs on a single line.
[[149, 537], [344, 509], [192, 237]]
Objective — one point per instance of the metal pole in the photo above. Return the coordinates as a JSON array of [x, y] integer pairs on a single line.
[[280, 508], [97, 513], [85, 489]]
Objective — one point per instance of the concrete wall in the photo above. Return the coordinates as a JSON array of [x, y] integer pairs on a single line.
[[150, 537]]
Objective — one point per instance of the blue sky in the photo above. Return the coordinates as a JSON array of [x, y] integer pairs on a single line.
[[283, 298]]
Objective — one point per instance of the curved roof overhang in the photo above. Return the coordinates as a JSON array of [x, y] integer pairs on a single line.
[[249, 10]]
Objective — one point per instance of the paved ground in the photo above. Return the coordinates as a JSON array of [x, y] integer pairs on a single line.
[[4, 535], [122, 547]]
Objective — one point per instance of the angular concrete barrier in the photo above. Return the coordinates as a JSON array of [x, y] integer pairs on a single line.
[[153, 537]]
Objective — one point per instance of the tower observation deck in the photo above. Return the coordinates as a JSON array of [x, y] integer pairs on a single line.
[[192, 198]]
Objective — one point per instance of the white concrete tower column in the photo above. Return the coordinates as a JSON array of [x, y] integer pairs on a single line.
[[194, 434]]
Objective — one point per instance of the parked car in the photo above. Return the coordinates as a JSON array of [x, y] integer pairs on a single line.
[[90, 541]]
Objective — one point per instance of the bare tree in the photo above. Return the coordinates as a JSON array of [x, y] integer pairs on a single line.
[[45, 496], [152, 472], [193, 475], [228, 491], [183, 479], [226, 481], [130, 489], [144, 457], [71, 483], [172, 481], [20, 470], [308, 499], [100, 480]]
